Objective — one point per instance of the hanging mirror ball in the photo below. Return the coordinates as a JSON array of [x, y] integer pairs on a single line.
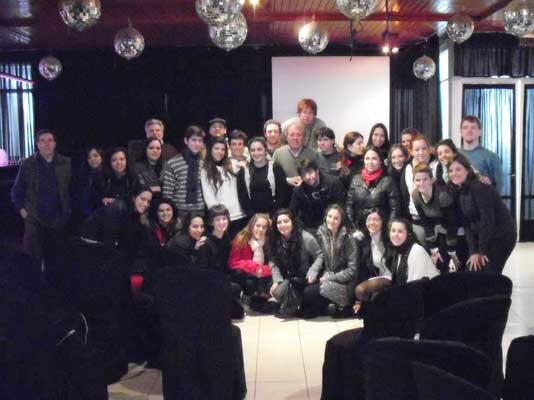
[[519, 19], [218, 12], [460, 28], [356, 9], [424, 68], [312, 39], [50, 68], [129, 43], [231, 35], [79, 14]]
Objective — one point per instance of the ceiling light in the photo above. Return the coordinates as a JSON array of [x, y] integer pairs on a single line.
[[390, 39]]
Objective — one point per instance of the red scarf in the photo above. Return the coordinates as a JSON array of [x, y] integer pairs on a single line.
[[370, 177]]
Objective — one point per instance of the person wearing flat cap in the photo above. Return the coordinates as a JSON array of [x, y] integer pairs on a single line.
[[217, 127]]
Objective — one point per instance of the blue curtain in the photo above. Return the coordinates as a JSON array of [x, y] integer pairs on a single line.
[[528, 162], [495, 108], [16, 112]]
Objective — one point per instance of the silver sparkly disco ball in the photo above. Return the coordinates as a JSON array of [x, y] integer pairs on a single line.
[[79, 14], [218, 12], [50, 68], [460, 28], [231, 35], [424, 68], [519, 18], [129, 43], [313, 39], [356, 9]]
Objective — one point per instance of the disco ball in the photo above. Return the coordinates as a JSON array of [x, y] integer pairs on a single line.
[[519, 19], [218, 12], [460, 28], [50, 68], [312, 39], [356, 9], [129, 43], [79, 14], [424, 68], [231, 35]]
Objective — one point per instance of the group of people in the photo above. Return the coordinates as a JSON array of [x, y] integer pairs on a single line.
[[302, 226]]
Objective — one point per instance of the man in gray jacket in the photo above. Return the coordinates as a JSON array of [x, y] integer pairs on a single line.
[[41, 194]]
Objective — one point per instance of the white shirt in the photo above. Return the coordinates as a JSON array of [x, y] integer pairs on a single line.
[[225, 195], [377, 252], [420, 264]]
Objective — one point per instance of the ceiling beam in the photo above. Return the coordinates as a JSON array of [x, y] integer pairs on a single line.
[[492, 10]]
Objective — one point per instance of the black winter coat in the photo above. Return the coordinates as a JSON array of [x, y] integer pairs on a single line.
[[309, 204], [486, 219], [361, 199]]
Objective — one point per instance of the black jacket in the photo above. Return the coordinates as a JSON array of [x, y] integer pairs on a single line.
[[361, 199], [486, 218], [439, 210], [309, 204]]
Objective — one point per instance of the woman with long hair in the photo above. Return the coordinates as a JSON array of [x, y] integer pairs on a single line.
[[445, 151], [371, 189], [219, 183], [85, 201], [489, 227], [336, 285], [248, 258], [123, 223], [409, 261], [183, 248], [295, 259], [153, 249], [352, 155], [149, 168], [118, 180], [378, 138], [407, 136], [261, 185], [373, 274]]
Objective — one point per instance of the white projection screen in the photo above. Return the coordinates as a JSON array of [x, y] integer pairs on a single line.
[[350, 95]]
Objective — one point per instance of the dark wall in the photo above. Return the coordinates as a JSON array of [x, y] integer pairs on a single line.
[[102, 99]]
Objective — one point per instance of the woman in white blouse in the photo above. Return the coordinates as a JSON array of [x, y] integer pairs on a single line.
[[219, 184]]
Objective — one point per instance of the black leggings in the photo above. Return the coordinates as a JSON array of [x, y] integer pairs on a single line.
[[313, 304], [250, 284]]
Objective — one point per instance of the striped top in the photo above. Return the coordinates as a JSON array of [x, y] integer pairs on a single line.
[[175, 184]]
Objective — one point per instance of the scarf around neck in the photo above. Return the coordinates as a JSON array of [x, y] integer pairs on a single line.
[[192, 161], [370, 177]]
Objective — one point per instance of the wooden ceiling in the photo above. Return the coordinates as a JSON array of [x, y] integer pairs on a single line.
[[36, 24]]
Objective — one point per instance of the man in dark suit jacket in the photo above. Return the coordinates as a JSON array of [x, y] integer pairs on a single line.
[[154, 128], [41, 194]]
